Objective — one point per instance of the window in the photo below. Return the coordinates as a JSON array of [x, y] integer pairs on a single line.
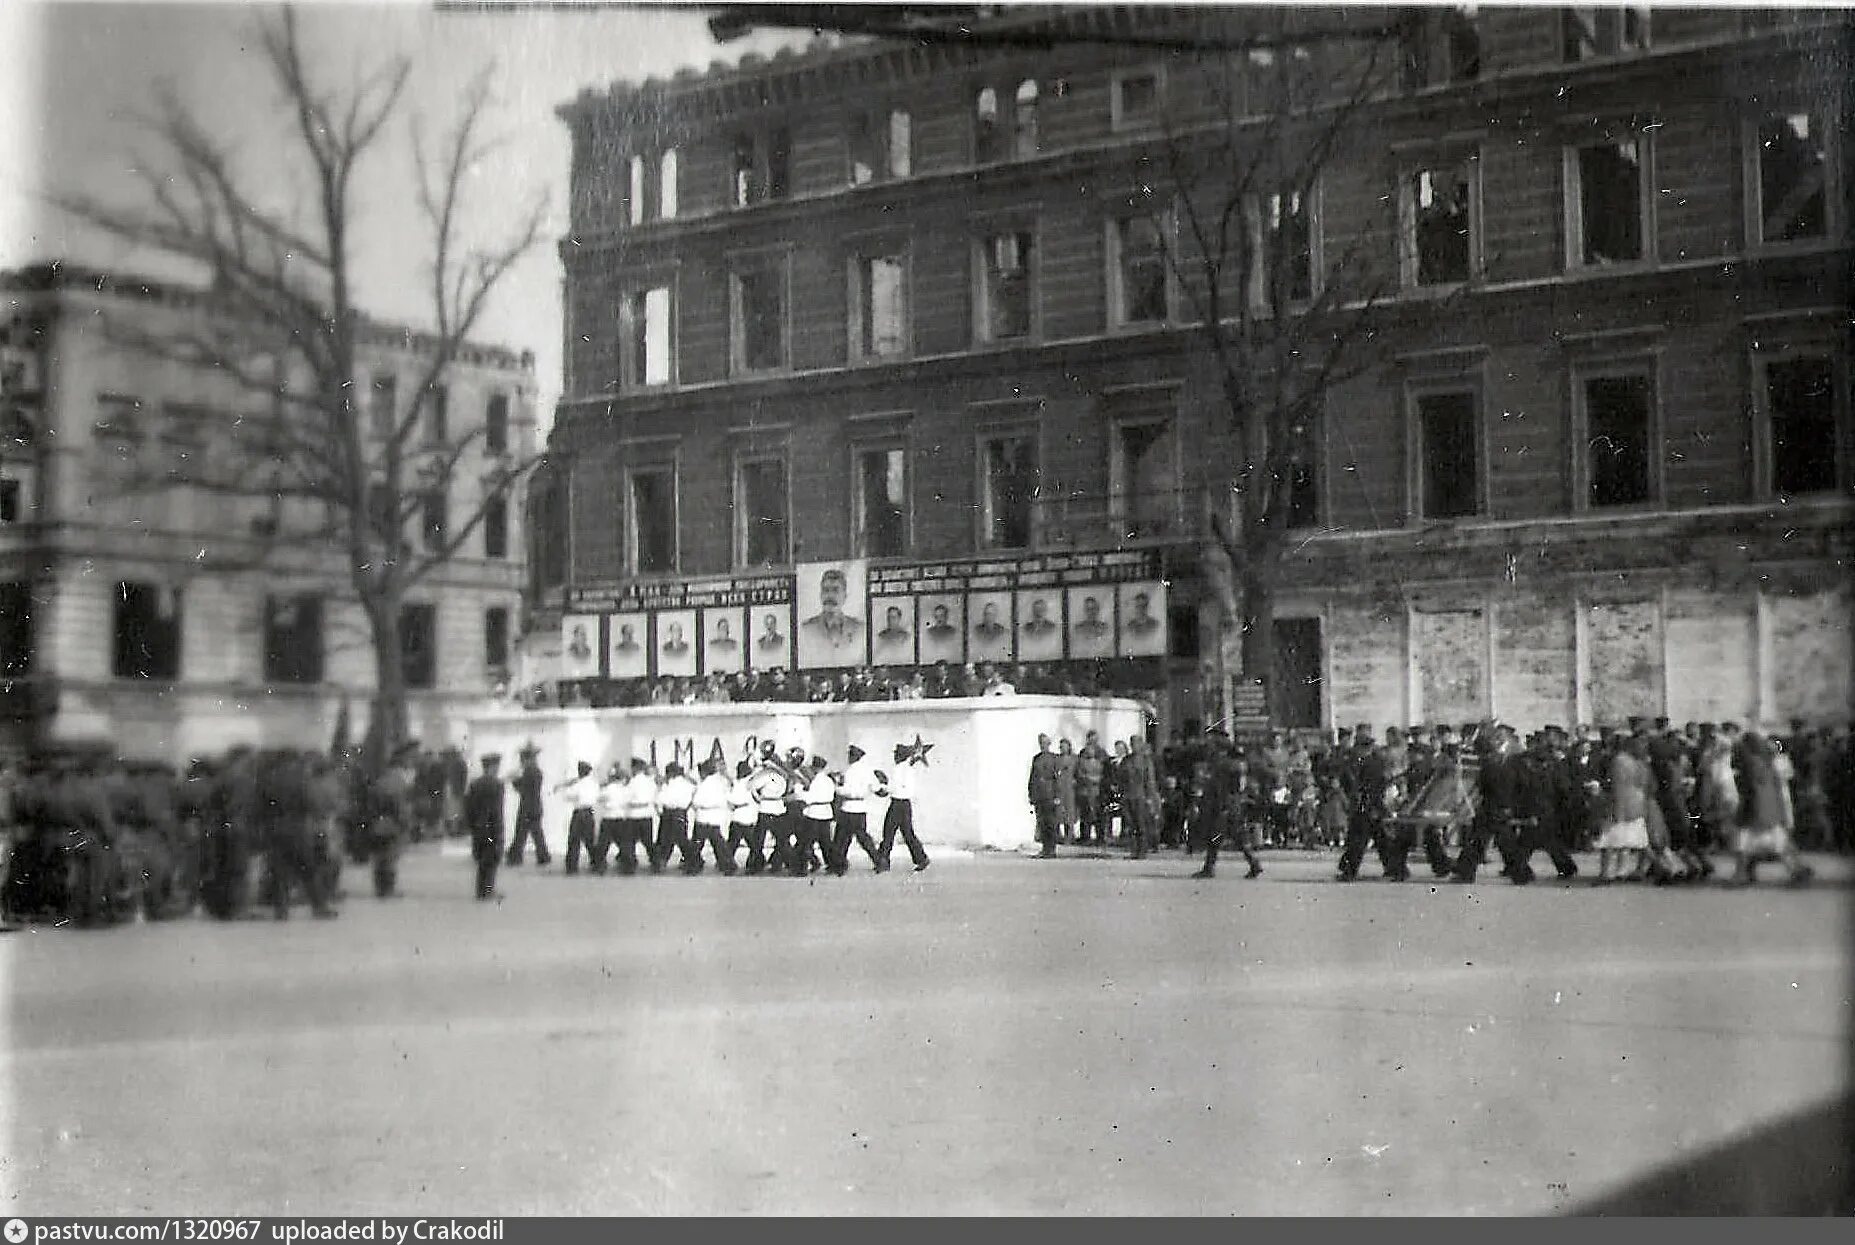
[[881, 147], [1005, 122], [119, 417], [12, 500], [1135, 98], [879, 307], [496, 528], [1440, 46], [437, 415], [1005, 286], [147, 632], [762, 166], [418, 645], [1283, 232], [435, 518], [1448, 454], [645, 322], [383, 404], [1591, 32], [761, 520], [293, 648], [1137, 271], [1008, 489], [1610, 202], [650, 186], [881, 501], [15, 630], [1143, 471], [1440, 222], [1792, 181], [496, 638], [496, 424], [651, 502], [637, 196], [1618, 434], [1796, 398], [759, 317]]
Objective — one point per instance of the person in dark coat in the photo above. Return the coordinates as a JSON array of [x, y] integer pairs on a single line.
[[1546, 794], [528, 809], [1220, 807], [1365, 778], [1045, 802], [483, 816], [1499, 811]]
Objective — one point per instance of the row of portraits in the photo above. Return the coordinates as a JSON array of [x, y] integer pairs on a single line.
[[1028, 625]]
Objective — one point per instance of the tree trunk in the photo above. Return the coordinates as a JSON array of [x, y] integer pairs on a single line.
[[1256, 610], [386, 727]]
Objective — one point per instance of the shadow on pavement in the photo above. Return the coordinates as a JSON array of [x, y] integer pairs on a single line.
[[1801, 1165]]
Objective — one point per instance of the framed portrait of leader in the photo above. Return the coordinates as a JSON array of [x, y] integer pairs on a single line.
[[1091, 622], [628, 654], [988, 626], [892, 631], [831, 632], [579, 646], [771, 645], [941, 627], [1142, 623], [674, 638], [1040, 625], [723, 651]]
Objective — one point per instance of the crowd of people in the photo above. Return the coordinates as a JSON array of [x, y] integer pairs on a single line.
[[942, 681], [1654, 800]]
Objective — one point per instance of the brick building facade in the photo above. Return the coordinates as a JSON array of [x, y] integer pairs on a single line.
[[165, 621], [890, 304]]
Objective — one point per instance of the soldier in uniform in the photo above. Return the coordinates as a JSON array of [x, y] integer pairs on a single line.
[[1042, 794], [289, 812], [1500, 810], [392, 813], [1221, 804], [483, 816], [1545, 794], [1091, 774], [527, 785], [1065, 778], [1365, 778]]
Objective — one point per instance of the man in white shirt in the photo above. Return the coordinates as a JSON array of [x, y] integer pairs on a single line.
[[583, 825], [744, 818], [674, 798], [816, 816], [613, 809], [770, 785], [713, 807], [900, 819], [640, 814], [853, 817]]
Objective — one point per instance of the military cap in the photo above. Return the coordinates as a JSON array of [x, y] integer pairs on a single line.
[[492, 758]]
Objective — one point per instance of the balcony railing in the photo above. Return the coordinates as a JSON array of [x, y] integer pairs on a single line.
[[1103, 521]]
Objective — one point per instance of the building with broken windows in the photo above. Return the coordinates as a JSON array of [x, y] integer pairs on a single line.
[[143, 606], [908, 311]]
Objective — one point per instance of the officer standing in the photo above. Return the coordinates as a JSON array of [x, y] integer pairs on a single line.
[[853, 818], [1091, 770], [483, 815], [1043, 796], [528, 809], [1065, 766]]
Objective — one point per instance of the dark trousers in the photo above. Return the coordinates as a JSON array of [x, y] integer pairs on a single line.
[[583, 832], [1543, 835], [767, 826], [293, 864], [633, 833], [1475, 846], [812, 833], [1219, 831], [611, 834], [1366, 829], [1088, 814], [486, 848], [712, 838], [900, 819], [673, 836], [1046, 825], [227, 887], [528, 822], [854, 826], [1436, 850], [383, 848]]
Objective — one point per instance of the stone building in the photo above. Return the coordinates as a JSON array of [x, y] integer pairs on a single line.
[[888, 307], [175, 621]]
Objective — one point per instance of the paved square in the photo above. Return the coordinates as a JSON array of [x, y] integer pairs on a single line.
[[997, 1035]]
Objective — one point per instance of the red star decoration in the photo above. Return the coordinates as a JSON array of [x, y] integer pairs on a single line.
[[917, 753]]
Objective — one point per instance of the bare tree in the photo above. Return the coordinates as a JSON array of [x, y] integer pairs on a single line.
[[284, 328]]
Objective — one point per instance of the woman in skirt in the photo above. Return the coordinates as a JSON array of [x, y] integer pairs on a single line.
[[1765, 815], [1626, 831]]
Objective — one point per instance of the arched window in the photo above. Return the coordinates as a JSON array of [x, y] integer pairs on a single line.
[[988, 142], [1024, 120]]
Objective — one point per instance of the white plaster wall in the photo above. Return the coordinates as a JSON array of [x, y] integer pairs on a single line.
[[1712, 641]]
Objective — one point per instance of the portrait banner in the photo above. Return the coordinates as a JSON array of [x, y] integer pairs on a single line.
[[772, 631], [832, 604], [674, 640], [579, 646], [1142, 624], [628, 656], [988, 626], [1091, 622], [1040, 625], [892, 631], [723, 651], [942, 628]]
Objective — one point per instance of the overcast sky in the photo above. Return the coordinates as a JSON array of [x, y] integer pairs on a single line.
[[74, 77]]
